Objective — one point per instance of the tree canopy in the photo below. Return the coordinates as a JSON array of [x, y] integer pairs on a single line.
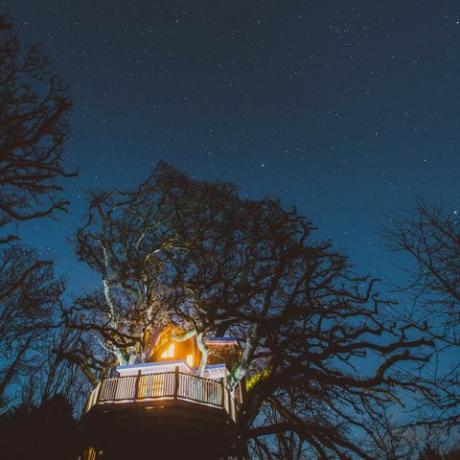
[[196, 254]]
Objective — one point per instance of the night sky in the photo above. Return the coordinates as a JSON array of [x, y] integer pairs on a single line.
[[347, 109]]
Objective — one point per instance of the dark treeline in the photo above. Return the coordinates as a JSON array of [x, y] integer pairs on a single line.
[[196, 254]]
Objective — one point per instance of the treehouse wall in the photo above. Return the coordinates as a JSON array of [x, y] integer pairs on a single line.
[[167, 349], [178, 351]]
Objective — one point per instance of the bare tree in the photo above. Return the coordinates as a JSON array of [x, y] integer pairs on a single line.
[[317, 350], [34, 108], [431, 237], [29, 296]]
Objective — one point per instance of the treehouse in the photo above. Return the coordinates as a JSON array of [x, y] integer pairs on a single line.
[[169, 402]]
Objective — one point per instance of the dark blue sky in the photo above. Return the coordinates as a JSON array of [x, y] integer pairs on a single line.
[[347, 109]]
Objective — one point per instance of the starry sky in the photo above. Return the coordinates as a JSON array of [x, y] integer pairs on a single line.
[[347, 109]]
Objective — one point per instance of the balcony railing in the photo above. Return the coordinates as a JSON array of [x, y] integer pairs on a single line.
[[165, 386]]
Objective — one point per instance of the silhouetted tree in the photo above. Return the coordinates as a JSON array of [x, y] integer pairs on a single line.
[[52, 374], [29, 294], [45, 432], [438, 445], [431, 236], [454, 453], [390, 440], [430, 453], [196, 254], [34, 108]]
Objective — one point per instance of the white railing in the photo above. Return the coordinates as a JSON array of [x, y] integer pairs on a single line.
[[166, 385]]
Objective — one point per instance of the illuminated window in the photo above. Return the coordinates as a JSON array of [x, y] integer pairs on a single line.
[[169, 352], [189, 360]]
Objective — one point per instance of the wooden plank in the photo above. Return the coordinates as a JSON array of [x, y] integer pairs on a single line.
[[176, 382], [136, 391]]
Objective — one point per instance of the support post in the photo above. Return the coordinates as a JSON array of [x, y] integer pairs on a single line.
[[227, 408], [176, 381], [223, 392], [88, 400], [100, 389], [117, 381], [136, 391]]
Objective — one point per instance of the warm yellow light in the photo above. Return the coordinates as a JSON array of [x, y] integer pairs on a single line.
[[169, 352], [189, 360]]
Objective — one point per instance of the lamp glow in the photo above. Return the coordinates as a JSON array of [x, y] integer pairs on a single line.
[[169, 352]]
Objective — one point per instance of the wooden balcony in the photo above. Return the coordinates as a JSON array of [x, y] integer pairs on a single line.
[[172, 388]]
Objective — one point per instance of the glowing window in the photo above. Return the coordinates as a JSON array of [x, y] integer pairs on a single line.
[[169, 352], [189, 360]]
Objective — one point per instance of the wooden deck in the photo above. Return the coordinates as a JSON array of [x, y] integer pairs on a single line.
[[167, 387]]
